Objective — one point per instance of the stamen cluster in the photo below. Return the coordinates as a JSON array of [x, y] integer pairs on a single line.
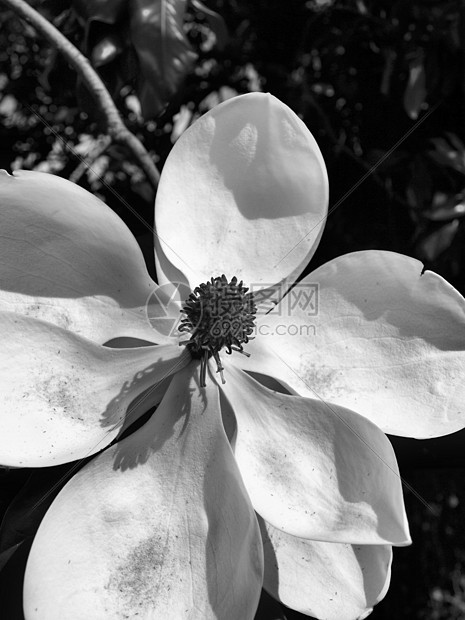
[[219, 314]]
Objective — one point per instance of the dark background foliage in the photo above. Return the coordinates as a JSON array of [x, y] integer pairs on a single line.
[[380, 84]]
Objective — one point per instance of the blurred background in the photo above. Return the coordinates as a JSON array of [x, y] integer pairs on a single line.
[[381, 85]]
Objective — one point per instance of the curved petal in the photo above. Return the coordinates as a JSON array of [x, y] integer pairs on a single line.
[[329, 581], [157, 526], [383, 340], [248, 181], [63, 397], [65, 257], [315, 470]]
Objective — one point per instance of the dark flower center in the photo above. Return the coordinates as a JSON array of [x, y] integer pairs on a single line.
[[219, 315]]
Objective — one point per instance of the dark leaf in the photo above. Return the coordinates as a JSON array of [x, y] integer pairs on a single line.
[[107, 11], [415, 91], [420, 189], [437, 242], [216, 23], [165, 56], [7, 554], [447, 154], [446, 207], [455, 141], [106, 50]]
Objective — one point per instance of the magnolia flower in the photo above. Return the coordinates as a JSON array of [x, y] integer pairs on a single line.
[[267, 466]]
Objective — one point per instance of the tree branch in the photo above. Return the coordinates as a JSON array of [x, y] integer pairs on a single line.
[[116, 129]]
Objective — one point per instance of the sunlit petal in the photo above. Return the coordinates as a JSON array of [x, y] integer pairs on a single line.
[[244, 192], [157, 526], [63, 397], [329, 581], [65, 257], [383, 340], [315, 470]]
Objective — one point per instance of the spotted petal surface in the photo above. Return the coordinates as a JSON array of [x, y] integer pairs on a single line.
[[239, 190], [63, 397], [157, 526]]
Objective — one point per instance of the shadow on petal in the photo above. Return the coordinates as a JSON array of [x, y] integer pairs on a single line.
[[313, 469], [127, 456], [148, 384], [173, 537], [334, 581], [245, 181], [255, 154]]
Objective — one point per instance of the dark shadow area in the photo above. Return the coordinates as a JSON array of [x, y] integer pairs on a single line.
[[269, 609], [11, 583], [269, 382], [141, 408], [430, 454], [124, 342], [149, 438], [161, 370], [427, 577]]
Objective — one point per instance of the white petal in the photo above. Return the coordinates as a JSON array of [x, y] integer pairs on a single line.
[[387, 342], [315, 471], [329, 581], [65, 257], [63, 397], [243, 192], [157, 526]]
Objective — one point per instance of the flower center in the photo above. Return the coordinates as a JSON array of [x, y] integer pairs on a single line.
[[219, 314]]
